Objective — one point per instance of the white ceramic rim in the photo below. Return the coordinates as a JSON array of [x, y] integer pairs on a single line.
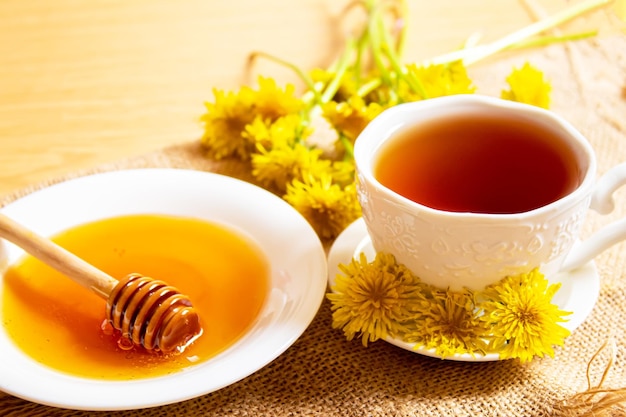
[[401, 116], [296, 255]]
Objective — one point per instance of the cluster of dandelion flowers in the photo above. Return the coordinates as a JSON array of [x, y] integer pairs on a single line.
[[514, 318], [296, 142]]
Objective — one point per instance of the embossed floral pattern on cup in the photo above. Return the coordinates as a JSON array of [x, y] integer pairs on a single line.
[[472, 250]]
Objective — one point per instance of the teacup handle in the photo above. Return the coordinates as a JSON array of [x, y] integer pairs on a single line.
[[602, 202]]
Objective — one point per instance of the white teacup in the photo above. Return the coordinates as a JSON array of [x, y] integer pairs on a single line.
[[467, 248]]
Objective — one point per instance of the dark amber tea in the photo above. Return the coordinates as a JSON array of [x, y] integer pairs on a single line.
[[479, 163]]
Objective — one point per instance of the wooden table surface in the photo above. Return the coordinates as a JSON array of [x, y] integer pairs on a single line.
[[88, 82]]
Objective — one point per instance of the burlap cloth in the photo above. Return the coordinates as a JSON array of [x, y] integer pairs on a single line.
[[324, 374]]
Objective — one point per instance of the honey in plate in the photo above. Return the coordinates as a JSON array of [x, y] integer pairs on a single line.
[[479, 164], [59, 323]]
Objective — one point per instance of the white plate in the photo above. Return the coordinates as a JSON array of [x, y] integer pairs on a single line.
[[578, 293], [298, 281]]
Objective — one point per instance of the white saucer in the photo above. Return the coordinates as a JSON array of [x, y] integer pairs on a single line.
[[578, 293], [293, 250]]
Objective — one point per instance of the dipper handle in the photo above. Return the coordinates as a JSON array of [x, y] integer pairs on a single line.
[[145, 311], [57, 257]]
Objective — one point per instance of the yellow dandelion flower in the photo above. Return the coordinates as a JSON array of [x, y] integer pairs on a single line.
[[448, 322], [350, 117], [259, 132], [436, 81], [226, 131], [522, 318], [272, 102], [286, 130], [321, 75], [278, 166], [224, 122], [343, 172], [527, 85], [372, 300], [328, 207]]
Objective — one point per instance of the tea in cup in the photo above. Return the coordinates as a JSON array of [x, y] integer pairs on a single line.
[[465, 190]]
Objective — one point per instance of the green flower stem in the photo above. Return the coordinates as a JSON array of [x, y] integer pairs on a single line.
[[384, 55], [399, 69], [368, 87], [303, 76], [475, 54], [342, 66], [402, 35], [548, 40], [357, 66], [347, 145], [375, 43]]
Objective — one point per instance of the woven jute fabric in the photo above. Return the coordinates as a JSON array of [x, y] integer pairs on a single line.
[[323, 374]]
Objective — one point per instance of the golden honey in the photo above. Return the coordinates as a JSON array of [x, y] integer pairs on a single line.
[[59, 323]]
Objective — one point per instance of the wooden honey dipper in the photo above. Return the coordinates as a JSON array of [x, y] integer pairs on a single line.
[[146, 311]]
